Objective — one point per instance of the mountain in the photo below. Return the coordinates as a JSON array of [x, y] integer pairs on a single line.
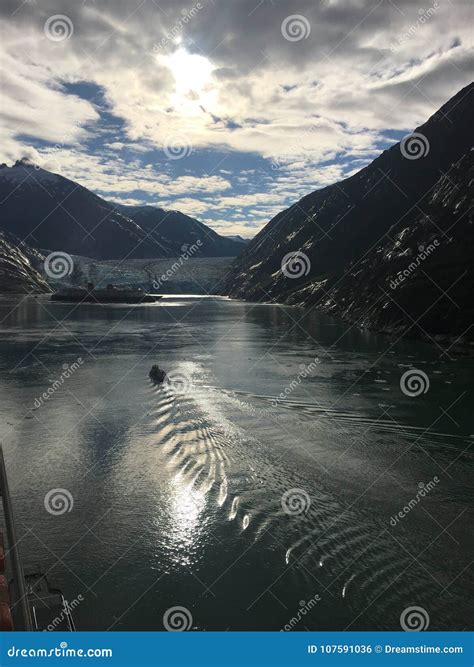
[[238, 238], [356, 235], [49, 211], [17, 272], [173, 230], [52, 212], [418, 279]]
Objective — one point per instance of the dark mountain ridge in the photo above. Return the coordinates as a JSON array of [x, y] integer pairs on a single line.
[[49, 211], [173, 230], [340, 227], [418, 279]]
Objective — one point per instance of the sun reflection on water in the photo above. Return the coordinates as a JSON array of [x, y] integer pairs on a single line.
[[186, 507]]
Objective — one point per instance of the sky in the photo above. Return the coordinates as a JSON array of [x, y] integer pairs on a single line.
[[227, 110]]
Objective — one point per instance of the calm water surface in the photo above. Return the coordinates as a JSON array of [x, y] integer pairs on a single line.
[[177, 491]]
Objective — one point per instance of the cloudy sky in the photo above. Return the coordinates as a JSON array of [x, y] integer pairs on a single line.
[[228, 110]]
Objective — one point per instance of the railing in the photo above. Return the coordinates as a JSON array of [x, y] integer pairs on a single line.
[[23, 616]]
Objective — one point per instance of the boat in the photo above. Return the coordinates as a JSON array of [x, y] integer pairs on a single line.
[[27, 602], [49, 609], [157, 374], [111, 294]]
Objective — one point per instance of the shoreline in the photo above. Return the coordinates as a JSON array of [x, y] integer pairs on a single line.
[[450, 343], [453, 345]]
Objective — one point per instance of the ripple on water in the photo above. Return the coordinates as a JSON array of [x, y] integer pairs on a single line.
[[354, 559]]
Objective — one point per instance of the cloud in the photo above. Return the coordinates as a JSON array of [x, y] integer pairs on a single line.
[[107, 175], [130, 146], [221, 78], [128, 201]]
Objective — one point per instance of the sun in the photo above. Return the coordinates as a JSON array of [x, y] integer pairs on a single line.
[[194, 91], [191, 72]]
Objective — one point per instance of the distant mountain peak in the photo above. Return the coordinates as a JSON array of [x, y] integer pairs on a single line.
[[25, 162], [27, 170], [237, 237], [47, 210], [174, 229]]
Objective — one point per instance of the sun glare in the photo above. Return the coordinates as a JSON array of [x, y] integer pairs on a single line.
[[191, 72]]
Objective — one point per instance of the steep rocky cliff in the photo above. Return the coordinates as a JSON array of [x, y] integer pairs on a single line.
[[418, 280], [17, 272], [354, 236]]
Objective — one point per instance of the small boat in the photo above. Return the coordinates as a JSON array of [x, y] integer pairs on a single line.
[[110, 294], [157, 374], [49, 609]]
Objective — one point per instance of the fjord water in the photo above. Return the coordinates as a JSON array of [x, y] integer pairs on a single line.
[[177, 491]]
